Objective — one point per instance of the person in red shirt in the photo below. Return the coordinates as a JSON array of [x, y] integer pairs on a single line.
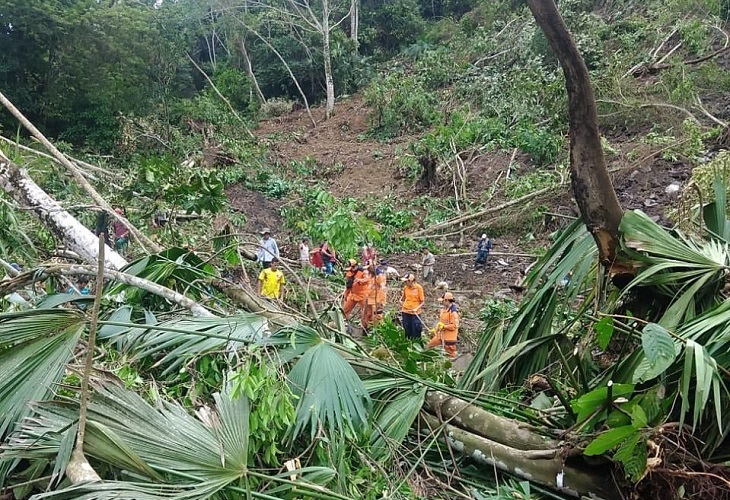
[[411, 302], [369, 255], [446, 332]]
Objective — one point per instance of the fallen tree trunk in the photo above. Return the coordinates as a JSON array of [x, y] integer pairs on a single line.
[[483, 423], [74, 170], [545, 467], [25, 192], [255, 304], [110, 274]]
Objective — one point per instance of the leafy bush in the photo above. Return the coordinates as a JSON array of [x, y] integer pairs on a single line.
[[278, 106], [400, 104]]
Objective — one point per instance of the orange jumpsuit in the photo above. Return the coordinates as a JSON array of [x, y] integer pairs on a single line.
[[447, 332], [376, 300], [358, 295], [351, 271]]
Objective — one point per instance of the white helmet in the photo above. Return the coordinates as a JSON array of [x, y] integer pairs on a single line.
[[484, 236]]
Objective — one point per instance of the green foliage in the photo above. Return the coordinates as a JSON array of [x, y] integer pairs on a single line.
[[272, 406], [400, 104], [390, 344], [330, 394], [659, 353], [181, 186]]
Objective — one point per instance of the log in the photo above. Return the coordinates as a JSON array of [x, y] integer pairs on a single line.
[[25, 192], [74, 170], [592, 187], [544, 467], [111, 274], [483, 423]]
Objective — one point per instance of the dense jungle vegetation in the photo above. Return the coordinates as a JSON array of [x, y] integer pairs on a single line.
[[399, 122]]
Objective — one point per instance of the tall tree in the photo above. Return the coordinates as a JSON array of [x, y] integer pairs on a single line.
[[592, 185]]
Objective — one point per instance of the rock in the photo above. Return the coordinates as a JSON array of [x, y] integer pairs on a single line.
[[673, 188]]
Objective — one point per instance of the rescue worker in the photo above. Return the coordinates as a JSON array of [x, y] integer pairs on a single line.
[[446, 332], [268, 249], [427, 262], [350, 277], [412, 300], [271, 281], [358, 294], [484, 245], [376, 297]]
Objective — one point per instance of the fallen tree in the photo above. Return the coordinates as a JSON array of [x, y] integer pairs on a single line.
[[25, 192]]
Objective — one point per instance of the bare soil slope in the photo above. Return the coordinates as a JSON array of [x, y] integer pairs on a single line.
[[354, 164]]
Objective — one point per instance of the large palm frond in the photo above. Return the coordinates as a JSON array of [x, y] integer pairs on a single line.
[[330, 392], [35, 347], [689, 273], [524, 347], [170, 453], [174, 341]]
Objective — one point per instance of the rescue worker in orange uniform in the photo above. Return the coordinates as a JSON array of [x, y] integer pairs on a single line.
[[411, 303], [358, 295], [376, 296], [446, 332], [349, 278]]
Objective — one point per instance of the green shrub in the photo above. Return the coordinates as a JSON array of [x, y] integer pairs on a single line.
[[276, 107], [400, 104]]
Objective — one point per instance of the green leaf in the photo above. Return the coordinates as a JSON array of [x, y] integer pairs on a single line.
[[585, 405], [604, 331], [395, 418], [660, 352], [330, 392], [609, 440], [638, 417]]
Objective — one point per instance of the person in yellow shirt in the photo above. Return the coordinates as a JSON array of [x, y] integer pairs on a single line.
[[271, 281], [411, 303], [446, 332]]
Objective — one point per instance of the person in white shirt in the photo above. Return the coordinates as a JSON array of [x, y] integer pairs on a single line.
[[427, 262], [304, 253], [268, 250]]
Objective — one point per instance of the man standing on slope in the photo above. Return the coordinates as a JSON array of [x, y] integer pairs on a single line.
[[411, 303], [484, 245], [268, 250]]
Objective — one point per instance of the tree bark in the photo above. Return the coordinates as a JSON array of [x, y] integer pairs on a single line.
[[21, 188], [545, 467], [493, 427], [110, 274], [592, 186], [141, 238], [249, 70], [355, 23]]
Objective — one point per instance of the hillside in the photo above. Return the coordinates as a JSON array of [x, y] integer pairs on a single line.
[[592, 356]]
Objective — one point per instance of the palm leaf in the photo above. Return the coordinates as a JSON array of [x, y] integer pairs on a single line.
[[35, 347], [176, 340], [690, 273], [181, 457], [394, 418], [330, 392], [573, 254]]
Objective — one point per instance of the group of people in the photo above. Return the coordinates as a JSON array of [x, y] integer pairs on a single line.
[[366, 286]]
